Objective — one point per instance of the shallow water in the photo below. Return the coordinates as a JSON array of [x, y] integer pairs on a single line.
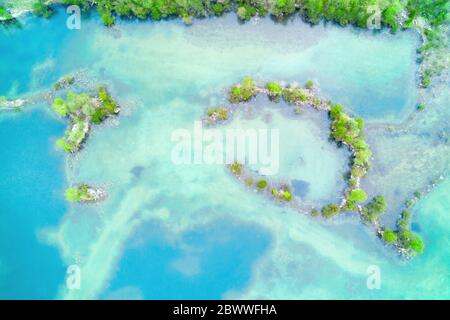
[[192, 231]]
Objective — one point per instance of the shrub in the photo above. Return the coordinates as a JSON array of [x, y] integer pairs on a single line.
[[5, 15], [60, 107], [274, 89], [64, 82], [40, 9], [291, 95], [243, 92], [80, 193], [421, 107], [374, 209], [108, 104], [236, 168], [221, 113], [249, 181], [309, 84], [358, 195], [261, 184], [416, 244], [287, 196], [330, 210], [315, 212], [65, 145], [389, 236]]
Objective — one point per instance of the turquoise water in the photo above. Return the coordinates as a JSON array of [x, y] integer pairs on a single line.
[[31, 181], [192, 231]]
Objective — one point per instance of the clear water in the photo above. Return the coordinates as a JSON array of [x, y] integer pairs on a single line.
[[192, 231]]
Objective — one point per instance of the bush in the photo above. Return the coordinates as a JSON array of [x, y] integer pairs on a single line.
[[64, 82], [421, 107], [389, 236], [60, 107], [330, 210], [261, 184], [242, 92], [236, 168], [274, 89], [291, 95], [5, 15], [64, 144], [309, 84], [315, 212], [358, 195], [80, 193], [416, 244], [40, 9], [221, 113], [287, 196], [374, 209]]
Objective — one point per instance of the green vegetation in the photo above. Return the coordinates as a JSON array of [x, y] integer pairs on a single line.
[[40, 9], [356, 195], [283, 194], [249, 182], [374, 209], [409, 203], [309, 84], [274, 90], [220, 113], [330, 210], [243, 92], [80, 193], [261, 184], [5, 16], [64, 82], [421, 107], [342, 12], [315, 213], [413, 244], [82, 109], [389, 236], [236, 168], [60, 107], [348, 130], [293, 95]]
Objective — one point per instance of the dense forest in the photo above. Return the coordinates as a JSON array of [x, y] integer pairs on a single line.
[[344, 12]]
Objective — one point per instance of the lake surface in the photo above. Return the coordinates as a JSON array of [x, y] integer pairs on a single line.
[[192, 231]]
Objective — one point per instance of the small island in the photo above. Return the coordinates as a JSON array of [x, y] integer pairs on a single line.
[[345, 130], [84, 193], [83, 111]]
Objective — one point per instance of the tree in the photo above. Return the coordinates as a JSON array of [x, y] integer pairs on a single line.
[[417, 244], [374, 209], [330, 210], [274, 89], [60, 107], [389, 236], [358, 195], [261, 184], [40, 9]]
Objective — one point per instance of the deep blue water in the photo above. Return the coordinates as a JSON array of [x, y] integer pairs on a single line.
[[30, 199], [36, 41], [219, 258]]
